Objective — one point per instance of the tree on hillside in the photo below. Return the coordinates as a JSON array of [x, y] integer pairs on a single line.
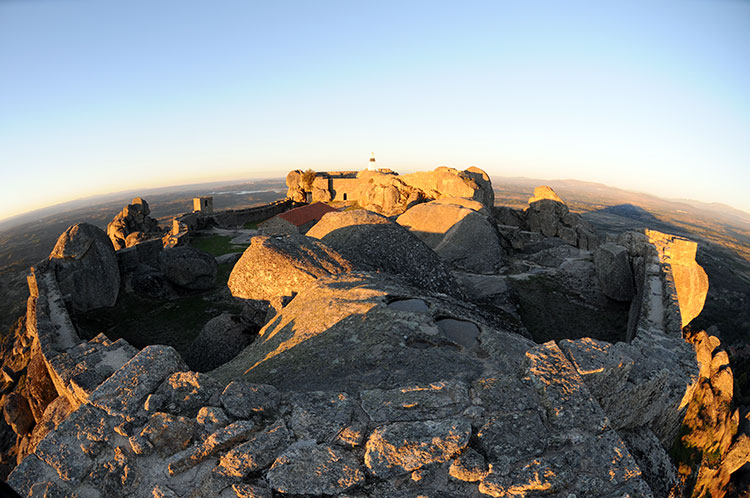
[[308, 177]]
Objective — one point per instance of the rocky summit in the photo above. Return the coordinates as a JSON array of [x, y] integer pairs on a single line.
[[431, 345]]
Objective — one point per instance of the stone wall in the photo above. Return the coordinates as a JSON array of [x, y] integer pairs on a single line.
[[72, 363], [670, 286], [646, 383], [183, 224], [238, 217], [344, 189]]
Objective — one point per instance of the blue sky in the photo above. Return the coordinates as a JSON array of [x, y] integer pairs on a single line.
[[105, 96]]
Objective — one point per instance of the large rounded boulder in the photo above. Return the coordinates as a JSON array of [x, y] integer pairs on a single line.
[[280, 267], [472, 183], [220, 340], [373, 242], [365, 330], [189, 268], [86, 267], [458, 232]]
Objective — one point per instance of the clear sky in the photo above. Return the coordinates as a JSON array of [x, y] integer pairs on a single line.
[[99, 96]]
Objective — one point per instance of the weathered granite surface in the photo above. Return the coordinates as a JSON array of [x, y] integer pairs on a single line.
[[365, 385]]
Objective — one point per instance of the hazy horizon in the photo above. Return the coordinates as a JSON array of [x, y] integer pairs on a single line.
[[145, 190], [100, 97]]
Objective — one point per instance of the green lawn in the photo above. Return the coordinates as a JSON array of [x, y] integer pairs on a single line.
[[215, 245]]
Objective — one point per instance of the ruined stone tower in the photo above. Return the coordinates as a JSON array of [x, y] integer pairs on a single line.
[[203, 204]]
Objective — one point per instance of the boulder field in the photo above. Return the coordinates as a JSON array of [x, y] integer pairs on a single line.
[[394, 359]]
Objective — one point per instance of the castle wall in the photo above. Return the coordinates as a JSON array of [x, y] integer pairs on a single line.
[[238, 217], [183, 224], [75, 366], [647, 382], [345, 189]]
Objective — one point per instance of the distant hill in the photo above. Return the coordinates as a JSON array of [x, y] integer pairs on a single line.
[[159, 196]]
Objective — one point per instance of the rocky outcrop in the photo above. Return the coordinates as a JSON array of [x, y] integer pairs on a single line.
[[50, 370], [670, 285], [153, 428], [543, 192], [274, 269], [472, 183], [296, 187], [709, 434], [392, 332], [390, 194], [132, 225], [386, 194], [85, 267], [548, 214], [688, 278], [373, 243], [369, 384], [188, 267], [458, 231]]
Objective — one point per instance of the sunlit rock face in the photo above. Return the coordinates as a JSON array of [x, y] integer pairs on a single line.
[[711, 424], [472, 183], [459, 231], [545, 192], [344, 329], [690, 279], [295, 190], [388, 193], [85, 267], [279, 267]]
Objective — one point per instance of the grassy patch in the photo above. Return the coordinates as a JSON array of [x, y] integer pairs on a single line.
[[549, 313], [216, 245], [142, 321]]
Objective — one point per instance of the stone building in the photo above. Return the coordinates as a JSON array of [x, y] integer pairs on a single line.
[[203, 204]]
